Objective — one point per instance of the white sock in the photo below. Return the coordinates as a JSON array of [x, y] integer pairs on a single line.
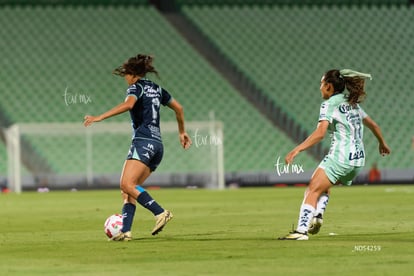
[[305, 216], [321, 205]]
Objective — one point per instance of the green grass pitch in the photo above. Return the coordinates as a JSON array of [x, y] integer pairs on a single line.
[[368, 230]]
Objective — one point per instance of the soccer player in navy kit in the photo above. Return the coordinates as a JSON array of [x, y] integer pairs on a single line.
[[143, 101]]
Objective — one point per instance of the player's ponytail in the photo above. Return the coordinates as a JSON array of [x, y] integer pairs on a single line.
[[353, 81], [146, 62], [139, 65]]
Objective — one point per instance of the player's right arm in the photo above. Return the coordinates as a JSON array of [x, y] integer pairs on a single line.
[[120, 108], [317, 135], [376, 130]]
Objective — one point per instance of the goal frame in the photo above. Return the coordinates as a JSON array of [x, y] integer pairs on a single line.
[[14, 133]]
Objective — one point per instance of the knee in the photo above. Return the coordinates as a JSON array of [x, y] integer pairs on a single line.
[[319, 183], [315, 188], [124, 186], [312, 187]]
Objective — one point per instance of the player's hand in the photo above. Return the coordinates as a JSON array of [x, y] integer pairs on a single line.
[[290, 156], [384, 149], [185, 140], [88, 120]]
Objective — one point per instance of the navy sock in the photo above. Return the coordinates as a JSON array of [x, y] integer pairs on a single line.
[[128, 212], [148, 202]]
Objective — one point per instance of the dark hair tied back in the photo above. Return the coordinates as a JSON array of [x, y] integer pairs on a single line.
[[354, 85], [334, 77], [139, 65]]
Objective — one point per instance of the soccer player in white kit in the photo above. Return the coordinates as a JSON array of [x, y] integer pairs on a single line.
[[340, 115]]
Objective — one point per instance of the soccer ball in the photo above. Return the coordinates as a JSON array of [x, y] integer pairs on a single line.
[[113, 225]]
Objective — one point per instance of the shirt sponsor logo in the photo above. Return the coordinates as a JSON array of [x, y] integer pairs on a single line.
[[344, 108], [151, 92], [356, 155]]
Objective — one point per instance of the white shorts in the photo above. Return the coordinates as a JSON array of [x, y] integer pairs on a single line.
[[338, 172]]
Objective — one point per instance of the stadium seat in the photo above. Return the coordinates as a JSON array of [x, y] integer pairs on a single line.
[[76, 56], [365, 38]]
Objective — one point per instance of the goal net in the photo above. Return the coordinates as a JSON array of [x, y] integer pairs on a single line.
[[68, 155]]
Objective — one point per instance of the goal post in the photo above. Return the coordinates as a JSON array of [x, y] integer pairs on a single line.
[[12, 135], [61, 155]]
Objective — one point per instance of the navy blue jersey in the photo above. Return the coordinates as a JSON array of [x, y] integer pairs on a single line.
[[145, 114]]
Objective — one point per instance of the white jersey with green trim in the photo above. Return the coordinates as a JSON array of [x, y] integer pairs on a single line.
[[346, 129]]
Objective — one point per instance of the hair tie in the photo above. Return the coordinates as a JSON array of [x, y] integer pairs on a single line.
[[352, 73]]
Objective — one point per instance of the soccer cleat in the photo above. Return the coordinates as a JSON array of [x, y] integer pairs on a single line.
[[127, 236], [119, 237], [161, 220], [295, 235], [315, 224]]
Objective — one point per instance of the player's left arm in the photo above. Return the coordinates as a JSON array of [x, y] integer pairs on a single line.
[[317, 135], [120, 108], [185, 139], [376, 130]]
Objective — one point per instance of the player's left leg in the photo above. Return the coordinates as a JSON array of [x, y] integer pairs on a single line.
[[317, 189], [322, 203], [319, 184], [130, 177], [137, 172], [317, 220]]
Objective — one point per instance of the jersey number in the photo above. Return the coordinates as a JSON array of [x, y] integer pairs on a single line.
[[155, 108], [356, 125]]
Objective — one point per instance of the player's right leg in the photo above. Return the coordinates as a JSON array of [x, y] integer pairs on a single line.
[[128, 213], [128, 209], [135, 170], [130, 177]]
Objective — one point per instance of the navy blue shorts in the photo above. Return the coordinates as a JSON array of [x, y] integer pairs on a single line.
[[147, 151]]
